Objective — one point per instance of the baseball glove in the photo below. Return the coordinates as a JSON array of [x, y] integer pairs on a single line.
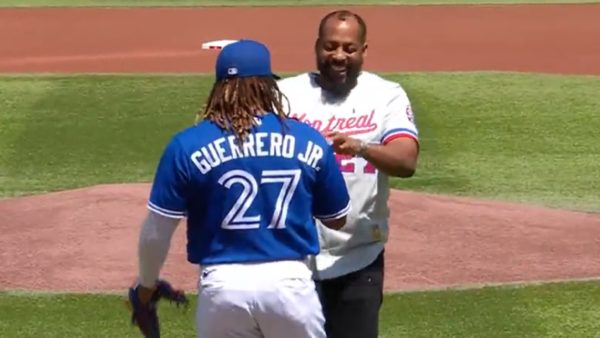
[[144, 314]]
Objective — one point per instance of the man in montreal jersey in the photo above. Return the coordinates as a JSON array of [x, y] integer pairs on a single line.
[[250, 182], [370, 122]]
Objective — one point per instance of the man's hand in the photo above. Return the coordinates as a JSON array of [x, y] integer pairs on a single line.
[[143, 304], [344, 144], [144, 294], [397, 158]]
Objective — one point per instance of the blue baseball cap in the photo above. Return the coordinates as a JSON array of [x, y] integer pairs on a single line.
[[244, 58]]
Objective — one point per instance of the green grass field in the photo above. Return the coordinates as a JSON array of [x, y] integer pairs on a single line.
[[516, 137], [173, 3], [548, 310]]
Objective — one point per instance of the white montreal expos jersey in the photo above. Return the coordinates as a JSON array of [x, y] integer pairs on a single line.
[[377, 111]]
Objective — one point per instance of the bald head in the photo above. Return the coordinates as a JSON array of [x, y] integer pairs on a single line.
[[340, 49], [343, 16]]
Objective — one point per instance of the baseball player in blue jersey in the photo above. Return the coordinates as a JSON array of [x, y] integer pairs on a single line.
[[250, 182]]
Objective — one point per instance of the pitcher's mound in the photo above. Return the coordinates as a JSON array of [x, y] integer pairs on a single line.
[[86, 240]]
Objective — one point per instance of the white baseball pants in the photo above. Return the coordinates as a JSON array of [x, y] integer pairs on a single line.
[[266, 300]]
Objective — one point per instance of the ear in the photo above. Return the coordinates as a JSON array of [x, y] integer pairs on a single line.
[[317, 42], [365, 47]]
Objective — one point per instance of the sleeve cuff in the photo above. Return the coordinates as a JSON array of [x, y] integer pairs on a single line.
[[345, 211], [166, 212], [399, 133]]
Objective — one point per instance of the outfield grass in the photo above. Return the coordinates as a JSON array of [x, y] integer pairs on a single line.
[[67, 132], [546, 310], [172, 3], [525, 138]]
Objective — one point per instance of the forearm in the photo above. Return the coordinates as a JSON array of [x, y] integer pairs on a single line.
[[153, 247], [398, 158]]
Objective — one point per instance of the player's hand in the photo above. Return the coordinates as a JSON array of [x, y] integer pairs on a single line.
[[343, 144], [145, 294], [143, 303]]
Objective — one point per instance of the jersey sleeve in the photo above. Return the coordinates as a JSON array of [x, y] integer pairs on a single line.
[[168, 193], [399, 119], [331, 198]]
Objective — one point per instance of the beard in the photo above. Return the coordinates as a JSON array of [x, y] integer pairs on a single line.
[[338, 79]]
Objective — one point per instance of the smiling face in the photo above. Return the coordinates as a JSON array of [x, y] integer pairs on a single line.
[[340, 50]]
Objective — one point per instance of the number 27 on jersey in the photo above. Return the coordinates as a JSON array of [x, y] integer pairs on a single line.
[[237, 218]]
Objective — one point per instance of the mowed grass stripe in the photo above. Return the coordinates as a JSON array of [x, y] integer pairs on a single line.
[[544, 310], [528, 138], [518, 137], [90, 129]]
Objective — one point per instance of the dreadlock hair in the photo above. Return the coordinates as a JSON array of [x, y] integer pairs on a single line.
[[234, 104]]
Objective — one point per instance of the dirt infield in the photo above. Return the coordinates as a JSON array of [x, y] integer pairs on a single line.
[[534, 38], [85, 239]]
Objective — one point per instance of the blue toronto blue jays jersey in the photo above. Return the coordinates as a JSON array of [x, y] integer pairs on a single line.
[[254, 201]]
